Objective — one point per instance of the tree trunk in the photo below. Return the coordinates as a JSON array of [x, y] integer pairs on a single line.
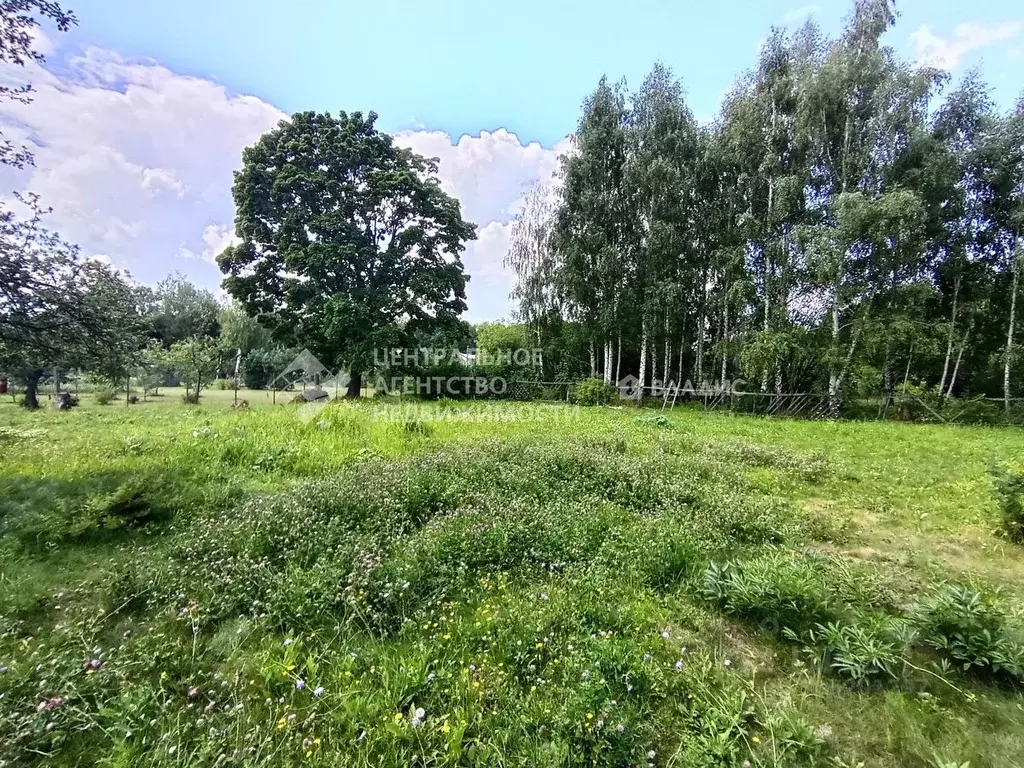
[[618, 360], [654, 363], [32, 388], [593, 359], [608, 361], [835, 395], [355, 385], [949, 341], [682, 351], [725, 345], [959, 356], [643, 362], [1009, 334], [906, 373], [699, 368], [668, 353]]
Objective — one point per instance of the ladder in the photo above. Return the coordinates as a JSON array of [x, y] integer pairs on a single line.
[[674, 391]]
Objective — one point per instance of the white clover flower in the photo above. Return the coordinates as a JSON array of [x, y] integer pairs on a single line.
[[288, 641], [300, 684], [319, 691]]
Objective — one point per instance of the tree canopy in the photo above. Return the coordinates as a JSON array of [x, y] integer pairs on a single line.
[[348, 242], [849, 221]]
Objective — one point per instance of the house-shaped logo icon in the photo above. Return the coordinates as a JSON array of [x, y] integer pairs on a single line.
[[629, 387], [304, 368]]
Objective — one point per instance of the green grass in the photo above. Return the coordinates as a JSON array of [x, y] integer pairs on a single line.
[[549, 585]]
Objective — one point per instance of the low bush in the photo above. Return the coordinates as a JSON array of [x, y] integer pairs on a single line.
[[595, 392], [1009, 488], [973, 629], [866, 651], [776, 590], [105, 396]]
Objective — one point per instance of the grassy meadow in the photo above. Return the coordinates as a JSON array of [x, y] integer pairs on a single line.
[[378, 584]]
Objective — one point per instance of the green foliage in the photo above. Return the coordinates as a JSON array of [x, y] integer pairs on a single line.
[[869, 650], [971, 627], [105, 396], [595, 392], [194, 361], [531, 585], [777, 591], [1009, 488], [322, 301]]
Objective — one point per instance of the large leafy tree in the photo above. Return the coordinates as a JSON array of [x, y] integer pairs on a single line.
[[348, 242], [181, 311], [59, 309]]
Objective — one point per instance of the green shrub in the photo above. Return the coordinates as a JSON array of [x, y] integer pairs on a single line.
[[971, 627], [223, 384], [862, 653], [595, 392], [775, 590], [105, 396], [1009, 488]]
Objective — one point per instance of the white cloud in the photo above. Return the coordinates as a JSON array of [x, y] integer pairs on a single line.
[[137, 161], [946, 53], [489, 173]]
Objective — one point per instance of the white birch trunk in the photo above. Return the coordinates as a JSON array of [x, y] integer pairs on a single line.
[[643, 362]]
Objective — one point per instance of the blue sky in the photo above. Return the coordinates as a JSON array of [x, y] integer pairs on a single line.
[[465, 66], [142, 110]]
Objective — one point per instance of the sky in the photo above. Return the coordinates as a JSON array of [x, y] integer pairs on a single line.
[[140, 112]]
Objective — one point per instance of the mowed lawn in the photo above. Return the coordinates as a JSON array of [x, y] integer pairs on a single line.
[[384, 583]]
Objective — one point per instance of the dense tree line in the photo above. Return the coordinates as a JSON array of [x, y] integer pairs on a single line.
[[849, 221]]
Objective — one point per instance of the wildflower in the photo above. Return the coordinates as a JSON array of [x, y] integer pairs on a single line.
[[746, 764], [291, 718], [430, 677], [647, 657], [300, 684], [728, 662], [319, 691], [544, 596], [585, 675], [446, 728], [679, 666], [194, 690], [307, 743], [47, 704], [398, 716], [620, 728], [651, 755], [665, 635], [93, 665], [288, 641], [756, 739], [3, 669], [417, 717]]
